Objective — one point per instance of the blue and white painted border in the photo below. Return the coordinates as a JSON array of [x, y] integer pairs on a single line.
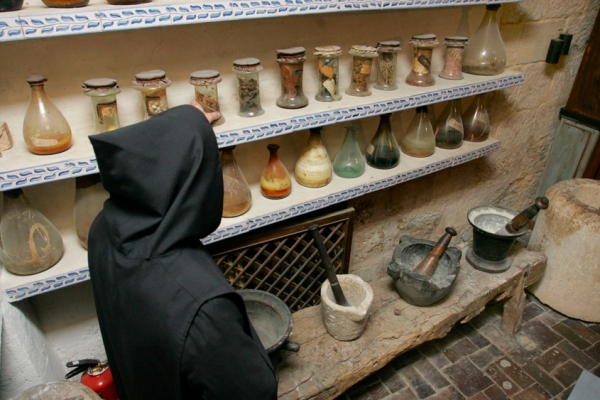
[[48, 173]]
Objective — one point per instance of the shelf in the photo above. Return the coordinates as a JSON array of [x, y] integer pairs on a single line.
[[263, 212], [38, 21]]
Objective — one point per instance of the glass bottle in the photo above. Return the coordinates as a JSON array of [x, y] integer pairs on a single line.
[[349, 162], [313, 168], [45, 129], [275, 182], [486, 54], [153, 85], [237, 197], [103, 93], [65, 3], [328, 64], [383, 151], [476, 121], [421, 71], [449, 132], [89, 201], [362, 61], [387, 63], [455, 46], [30, 243], [419, 140], [206, 92], [291, 67], [246, 70]]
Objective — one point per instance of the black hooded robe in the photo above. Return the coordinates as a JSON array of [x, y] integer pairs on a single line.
[[172, 326]]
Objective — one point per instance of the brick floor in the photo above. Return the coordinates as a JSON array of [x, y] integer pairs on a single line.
[[477, 361]]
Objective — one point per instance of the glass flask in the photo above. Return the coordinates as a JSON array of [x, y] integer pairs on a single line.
[[419, 140], [89, 201], [383, 151], [275, 182], [237, 197], [328, 59], [476, 121], [65, 3], [313, 168], [455, 46], [362, 61], [153, 85], [349, 162], [45, 129], [421, 71], [103, 93], [486, 54], [30, 243], [246, 70], [206, 92], [387, 63], [449, 132], [291, 67]]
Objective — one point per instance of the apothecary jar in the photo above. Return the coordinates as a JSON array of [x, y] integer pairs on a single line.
[[328, 65], [103, 93], [153, 86], [246, 71], [206, 91]]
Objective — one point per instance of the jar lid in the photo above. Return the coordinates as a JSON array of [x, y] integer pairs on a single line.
[[328, 51], [387, 46], [293, 54], [363, 51], [205, 77], [154, 77], [425, 40], [99, 85], [456, 41], [249, 64], [36, 79]]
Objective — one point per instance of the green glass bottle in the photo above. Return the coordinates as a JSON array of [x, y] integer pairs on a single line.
[[349, 162], [383, 151]]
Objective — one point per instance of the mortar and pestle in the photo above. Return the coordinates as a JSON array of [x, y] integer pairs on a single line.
[[495, 230], [424, 271], [345, 300]]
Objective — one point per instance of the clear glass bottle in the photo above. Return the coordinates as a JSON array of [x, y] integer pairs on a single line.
[[30, 243], [476, 121], [419, 140], [206, 91], [387, 64], [275, 181], [45, 129], [153, 85], [291, 67], [103, 93], [237, 197], [349, 162], [89, 201], [246, 70], [486, 54], [455, 46], [313, 168], [328, 64], [383, 151], [423, 50], [362, 61], [449, 132]]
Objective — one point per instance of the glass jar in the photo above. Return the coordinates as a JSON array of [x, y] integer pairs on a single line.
[[313, 168], [423, 50], [349, 161], [89, 201], [65, 3], [45, 129], [455, 46], [291, 67], [419, 140], [237, 197], [362, 61], [103, 93], [449, 132], [383, 151], [207, 94], [476, 121], [153, 85], [328, 64], [246, 70], [387, 63], [486, 54], [275, 182]]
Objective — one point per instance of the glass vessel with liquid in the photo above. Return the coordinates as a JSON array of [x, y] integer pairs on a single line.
[[383, 151], [476, 121], [449, 132], [237, 197], [328, 64], [455, 46], [275, 181], [45, 129], [387, 63], [486, 54], [291, 67], [362, 61], [419, 140], [103, 93], [313, 168], [206, 92], [246, 71], [349, 162], [423, 50], [89, 201], [153, 85]]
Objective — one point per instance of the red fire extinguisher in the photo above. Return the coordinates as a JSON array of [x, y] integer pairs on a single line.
[[96, 376]]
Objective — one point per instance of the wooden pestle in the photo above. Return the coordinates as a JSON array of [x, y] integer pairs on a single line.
[[429, 264], [522, 218]]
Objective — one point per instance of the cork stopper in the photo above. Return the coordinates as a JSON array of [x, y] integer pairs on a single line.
[[249, 64], [205, 77], [363, 51], [328, 51], [425, 40]]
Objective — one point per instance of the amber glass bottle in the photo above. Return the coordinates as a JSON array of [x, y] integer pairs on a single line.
[[275, 182]]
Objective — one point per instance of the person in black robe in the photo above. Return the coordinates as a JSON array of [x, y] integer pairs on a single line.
[[172, 326]]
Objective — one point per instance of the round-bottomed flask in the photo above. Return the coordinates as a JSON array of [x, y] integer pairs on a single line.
[[291, 67], [387, 63], [419, 140], [275, 181], [313, 168], [476, 121], [486, 54], [206, 92], [29, 242], [423, 50], [362, 61], [153, 85], [103, 93], [449, 132], [246, 71], [383, 151], [349, 162], [237, 197], [45, 129], [328, 64], [89, 201], [455, 46]]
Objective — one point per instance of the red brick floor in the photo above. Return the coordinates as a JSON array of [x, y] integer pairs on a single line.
[[478, 361]]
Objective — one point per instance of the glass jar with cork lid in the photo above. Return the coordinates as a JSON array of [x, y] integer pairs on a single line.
[[328, 64], [206, 92], [153, 85], [455, 46], [423, 50], [246, 71], [103, 93], [387, 63], [291, 67], [362, 62]]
